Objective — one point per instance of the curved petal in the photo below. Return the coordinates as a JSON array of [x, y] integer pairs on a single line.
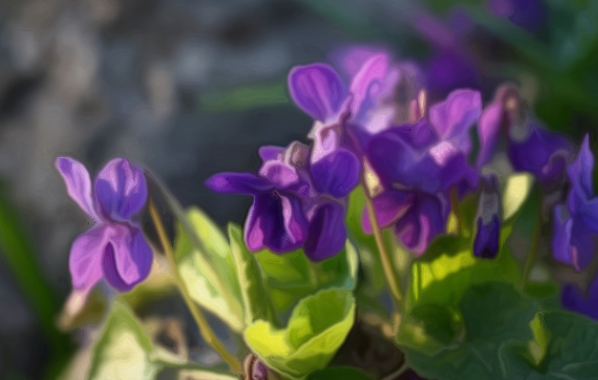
[[561, 236], [318, 90], [488, 131], [432, 169], [337, 173], [78, 184], [276, 222], [572, 298], [270, 152], [128, 257], [85, 260], [453, 117], [543, 153], [327, 234], [279, 173], [121, 189], [388, 206], [580, 170], [418, 227], [368, 84], [240, 183]]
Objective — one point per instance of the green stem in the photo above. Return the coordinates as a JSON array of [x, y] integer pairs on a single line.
[[457, 211], [533, 252], [387, 266], [202, 323]]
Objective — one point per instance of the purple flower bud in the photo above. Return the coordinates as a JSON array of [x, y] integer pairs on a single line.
[[115, 248], [576, 224], [486, 242]]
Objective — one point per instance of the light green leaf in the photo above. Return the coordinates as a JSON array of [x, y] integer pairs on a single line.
[[317, 327], [123, 351], [253, 291], [516, 190], [444, 279], [208, 269], [292, 276]]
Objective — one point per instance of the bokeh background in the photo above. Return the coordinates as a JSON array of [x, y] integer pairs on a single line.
[[188, 88]]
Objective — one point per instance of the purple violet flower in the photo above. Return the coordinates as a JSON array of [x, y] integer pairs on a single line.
[[576, 224], [114, 248], [429, 155], [287, 212], [572, 298], [530, 148], [486, 242]]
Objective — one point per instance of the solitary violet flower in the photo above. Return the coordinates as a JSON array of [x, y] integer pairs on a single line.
[[576, 224], [114, 248], [574, 299], [486, 242], [287, 212]]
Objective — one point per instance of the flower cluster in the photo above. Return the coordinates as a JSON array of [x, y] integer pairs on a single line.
[[372, 126]]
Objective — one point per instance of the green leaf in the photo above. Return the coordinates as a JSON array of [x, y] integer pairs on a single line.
[[123, 351], [292, 276], [516, 190], [339, 373], [317, 327], [208, 269], [444, 279], [493, 314], [563, 347], [253, 290]]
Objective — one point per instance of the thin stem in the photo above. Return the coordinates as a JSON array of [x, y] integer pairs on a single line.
[[203, 325], [457, 210], [533, 252], [398, 372], [387, 266]]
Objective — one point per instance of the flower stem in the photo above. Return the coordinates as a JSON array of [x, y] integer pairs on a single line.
[[204, 327], [387, 266], [457, 211], [531, 257]]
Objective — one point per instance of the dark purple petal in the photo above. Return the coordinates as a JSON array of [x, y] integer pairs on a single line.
[[85, 260], [453, 117], [432, 170], [318, 90], [78, 184], [270, 152], [582, 243], [276, 222], [527, 14], [486, 242], [488, 131], [422, 223], [573, 299], [239, 183], [449, 70], [259, 371], [350, 59], [337, 173], [327, 233], [120, 189], [544, 154], [128, 257], [368, 84], [388, 206], [580, 171]]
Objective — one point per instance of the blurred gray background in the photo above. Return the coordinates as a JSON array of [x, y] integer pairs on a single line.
[[188, 88]]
